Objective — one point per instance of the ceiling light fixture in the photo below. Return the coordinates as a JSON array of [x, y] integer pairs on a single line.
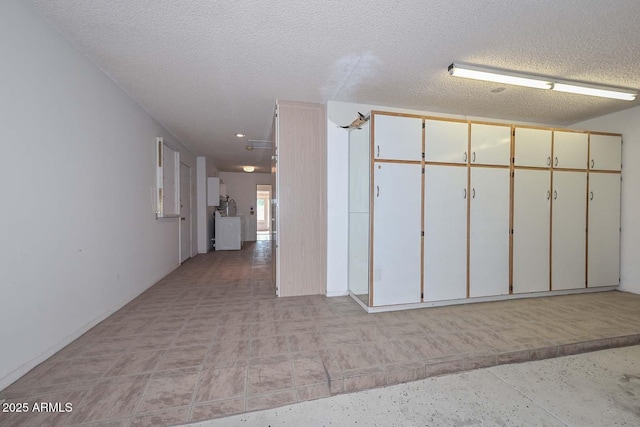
[[248, 168], [538, 82], [240, 135]]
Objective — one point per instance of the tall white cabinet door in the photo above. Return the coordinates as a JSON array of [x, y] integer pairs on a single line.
[[446, 142], [490, 144], [532, 147], [570, 150], [531, 221], [489, 223], [397, 227], [397, 138], [606, 152], [604, 230], [568, 237], [445, 231]]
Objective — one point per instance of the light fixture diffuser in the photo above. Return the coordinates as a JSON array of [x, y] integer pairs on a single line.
[[538, 82], [248, 168]]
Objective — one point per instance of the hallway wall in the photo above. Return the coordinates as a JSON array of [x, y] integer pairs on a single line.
[[78, 172]]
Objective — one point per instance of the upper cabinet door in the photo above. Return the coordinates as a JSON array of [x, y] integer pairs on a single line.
[[606, 152], [445, 141], [490, 144], [532, 147], [397, 138], [570, 150]]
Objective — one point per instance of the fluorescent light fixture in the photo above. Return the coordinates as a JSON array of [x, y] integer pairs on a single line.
[[470, 72], [248, 168], [538, 82], [585, 90]]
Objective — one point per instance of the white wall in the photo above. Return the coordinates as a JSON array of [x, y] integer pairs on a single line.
[[340, 114], [241, 187], [627, 123], [77, 169], [206, 169]]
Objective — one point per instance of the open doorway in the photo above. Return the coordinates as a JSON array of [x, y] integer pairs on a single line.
[[263, 212]]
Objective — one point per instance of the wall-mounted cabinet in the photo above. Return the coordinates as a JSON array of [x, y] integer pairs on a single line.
[[491, 211]]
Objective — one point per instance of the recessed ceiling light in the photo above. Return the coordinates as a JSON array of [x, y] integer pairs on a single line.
[[249, 148], [240, 135], [248, 168]]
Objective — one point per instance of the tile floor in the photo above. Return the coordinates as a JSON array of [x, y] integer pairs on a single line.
[[211, 340]]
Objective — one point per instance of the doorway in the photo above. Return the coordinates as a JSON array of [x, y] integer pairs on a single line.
[[185, 212], [263, 212]]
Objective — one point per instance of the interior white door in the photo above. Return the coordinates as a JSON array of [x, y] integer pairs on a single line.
[[397, 228], [397, 137], [604, 230], [489, 231], [490, 144], [606, 152], [185, 212], [532, 147], [445, 141], [531, 233], [568, 237], [445, 233], [570, 150]]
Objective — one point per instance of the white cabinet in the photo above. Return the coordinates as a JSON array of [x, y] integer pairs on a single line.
[[446, 141], [445, 231], [397, 137], [213, 191], [490, 144], [568, 237], [531, 232], [489, 232], [532, 147], [570, 150], [397, 224], [605, 152], [604, 230]]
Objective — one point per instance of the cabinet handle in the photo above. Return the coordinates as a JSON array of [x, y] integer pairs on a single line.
[[473, 193], [465, 193], [473, 156], [377, 191], [555, 194], [465, 156], [378, 150], [548, 194], [593, 163], [556, 162], [591, 194], [549, 161]]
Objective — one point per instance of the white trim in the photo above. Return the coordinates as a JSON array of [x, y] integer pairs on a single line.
[[398, 307], [337, 294]]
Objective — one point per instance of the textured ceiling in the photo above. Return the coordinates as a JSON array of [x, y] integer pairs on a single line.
[[208, 69]]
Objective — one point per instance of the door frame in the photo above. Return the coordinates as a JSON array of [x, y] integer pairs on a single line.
[[190, 213]]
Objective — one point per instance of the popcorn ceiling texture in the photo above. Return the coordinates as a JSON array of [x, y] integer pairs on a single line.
[[208, 69]]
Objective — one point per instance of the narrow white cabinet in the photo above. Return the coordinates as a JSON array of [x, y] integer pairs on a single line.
[[446, 141], [569, 223], [397, 228], [490, 144], [570, 150], [604, 230], [605, 152], [532, 147], [397, 137], [489, 230], [445, 231], [531, 232]]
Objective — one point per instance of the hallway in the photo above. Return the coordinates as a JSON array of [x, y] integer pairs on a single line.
[[211, 340]]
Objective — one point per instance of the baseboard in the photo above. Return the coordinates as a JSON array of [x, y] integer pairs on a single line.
[[337, 293], [17, 373]]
